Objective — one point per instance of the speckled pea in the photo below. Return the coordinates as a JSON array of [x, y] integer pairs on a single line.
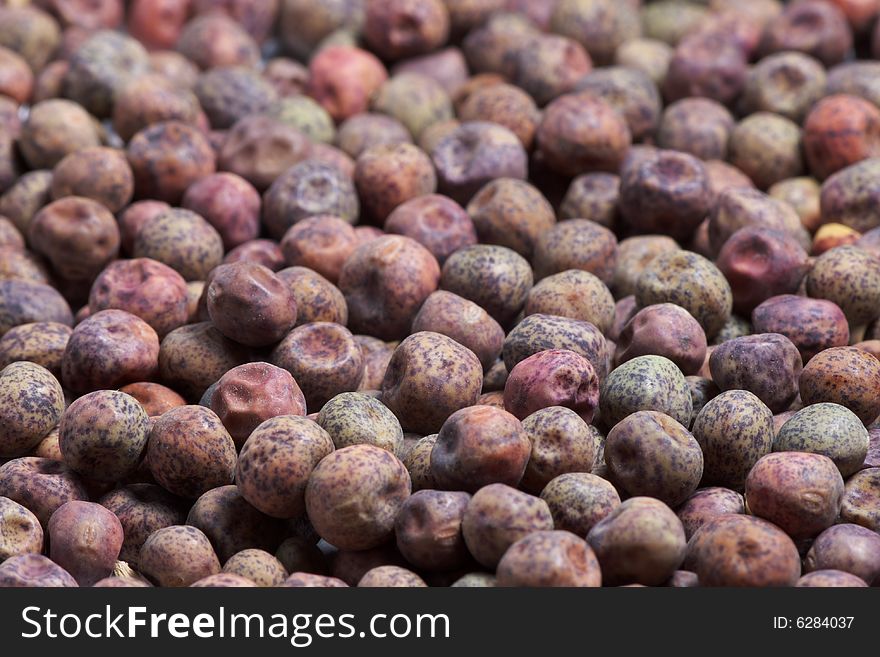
[[31, 403], [102, 435], [766, 364], [276, 461], [573, 293], [182, 240], [651, 383], [850, 277], [178, 556], [861, 499], [649, 453], [561, 443], [20, 530], [828, 429], [691, 281], [430, 367], [734, 430], [418, 463], [353, 418], [190, 452], [540, 332], [494, 277], [846, 376], [579, 500], [260, 567], [549, 558]]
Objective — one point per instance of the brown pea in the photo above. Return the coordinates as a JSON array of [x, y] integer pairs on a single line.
[[322, 243], [109, 349], [799, 492], [101, 174], [478, 446], [166, 158], [816, 28], [846, 547], [343, 79], [384, 282], [78, 235], [554, 377], [463, 321], [41, 485], [581, 133], [248, 303], [354, 495], [428, 529], [85, 540], [706, 64], [437, 222], [812, 325], [549, 558], [760, 263], [649, 453], [149, 99], [496, 517], [639, 542], [249, 394], [698, 126], [846, 376], [261, 251], [504, 104], [145, 288], [142, 509], [323, 358], [742, 550], [663, 330], [260, 148], [390, 577], [473, 155], [706, 504]]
